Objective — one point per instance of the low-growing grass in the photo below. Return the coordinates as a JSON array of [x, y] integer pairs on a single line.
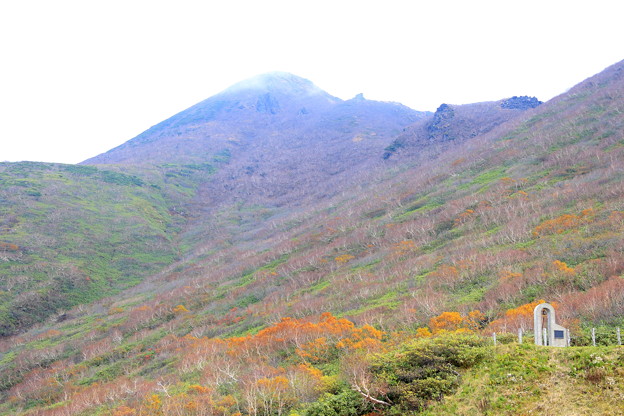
[[525, 379]]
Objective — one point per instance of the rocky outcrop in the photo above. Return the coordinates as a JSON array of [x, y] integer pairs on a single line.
[[439, 129], [523, 102]]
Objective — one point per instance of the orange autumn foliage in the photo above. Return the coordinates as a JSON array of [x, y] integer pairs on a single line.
[[557, 225], [199, 389], [346, 336], [314, 350], [315, 373], [125, 411], [463, 217], [404, 247], [423, 333], [312, 340], [153, 404], [447, 321], [115, 310], [454, 321], [342, 259], [180, 309], [474, 319], [563, 267], [364, 338], [507, 275], [563, 223], [8, 246], [518, 318]]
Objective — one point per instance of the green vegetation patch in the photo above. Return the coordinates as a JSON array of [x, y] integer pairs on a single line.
[[489, 176], [82, 233], [420, 207], [425, 370]]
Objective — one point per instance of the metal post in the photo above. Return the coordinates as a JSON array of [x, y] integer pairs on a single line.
[[519, 335], [594, 337], [619, 337], [545, 336], [568, 338], [494, 337]]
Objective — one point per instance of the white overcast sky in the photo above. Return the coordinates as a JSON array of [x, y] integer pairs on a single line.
[[80, 77]]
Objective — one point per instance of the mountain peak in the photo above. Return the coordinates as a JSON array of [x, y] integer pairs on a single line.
[[275, 82], [268, 108]]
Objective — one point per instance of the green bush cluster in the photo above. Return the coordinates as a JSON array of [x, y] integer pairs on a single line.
[[345, 402], [426, 369], [605, 335]]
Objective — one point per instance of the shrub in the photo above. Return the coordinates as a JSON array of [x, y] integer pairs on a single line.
[[605, 335], [508, 338], [344, 403], [427, 368]]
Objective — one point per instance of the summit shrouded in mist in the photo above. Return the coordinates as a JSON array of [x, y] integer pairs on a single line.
[[277, 82], [283, 135], [272, 109]]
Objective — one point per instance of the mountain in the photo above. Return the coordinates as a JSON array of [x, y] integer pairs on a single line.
[[280, 134], [73, 234], [255, 108], [295, 269], [274, 109]]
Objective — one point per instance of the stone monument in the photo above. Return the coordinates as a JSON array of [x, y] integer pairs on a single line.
[[552, 334]]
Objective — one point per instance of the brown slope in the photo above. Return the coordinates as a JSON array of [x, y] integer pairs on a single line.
[[280, 135], [451, 124], [252, 109], [277, 107], [472, 209]]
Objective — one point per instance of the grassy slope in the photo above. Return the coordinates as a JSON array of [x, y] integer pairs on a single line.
[[74, 234], [524, 380]]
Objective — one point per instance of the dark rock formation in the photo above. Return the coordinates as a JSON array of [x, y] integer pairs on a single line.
[[520, 103], [439, 129]]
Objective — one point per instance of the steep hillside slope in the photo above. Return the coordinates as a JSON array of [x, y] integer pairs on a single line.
[[330, 305], [451, 124], [76, 233], [267, 114], [281, 135], [73, 234], [528, 210], [255, 108]]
